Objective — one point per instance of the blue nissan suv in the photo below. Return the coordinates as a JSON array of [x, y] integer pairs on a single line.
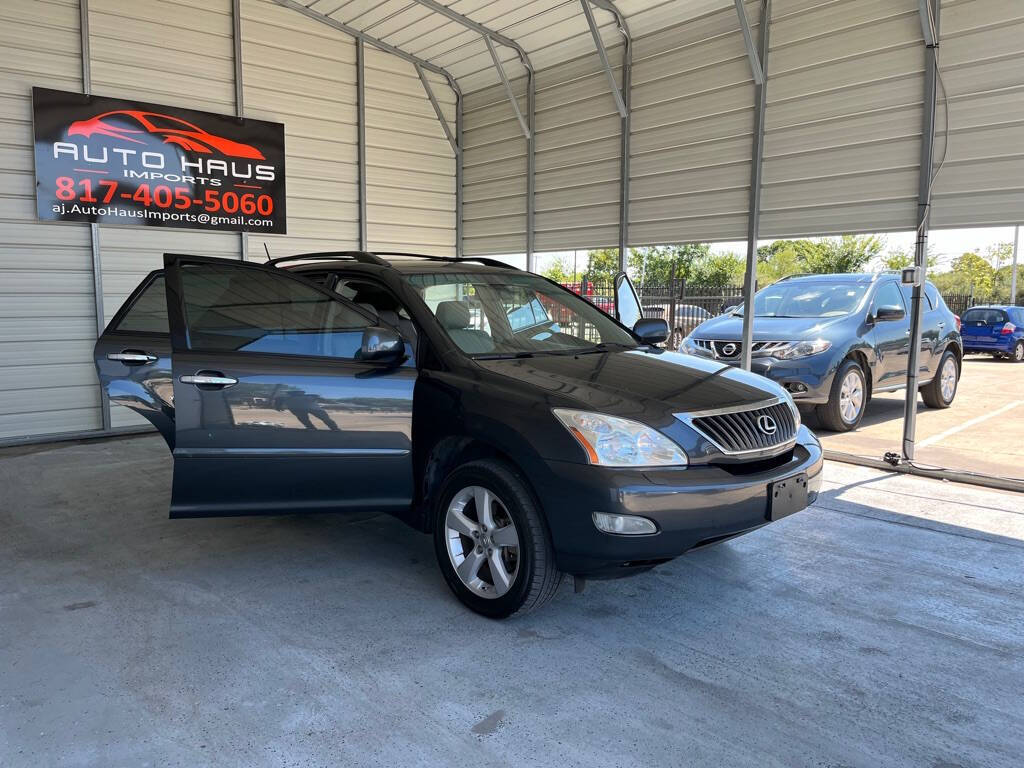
[[833, 340]]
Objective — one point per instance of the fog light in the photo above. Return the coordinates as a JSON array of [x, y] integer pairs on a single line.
[[626, 525]]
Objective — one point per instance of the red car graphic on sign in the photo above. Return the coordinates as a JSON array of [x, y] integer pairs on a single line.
[[173, 130]]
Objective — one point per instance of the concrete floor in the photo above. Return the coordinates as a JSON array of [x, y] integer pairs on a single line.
[[980, 432], [883, 627]]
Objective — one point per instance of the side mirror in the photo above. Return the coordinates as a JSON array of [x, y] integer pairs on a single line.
[[651, 330], [381, 345], [888, 313]]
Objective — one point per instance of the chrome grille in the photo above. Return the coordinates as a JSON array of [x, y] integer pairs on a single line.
[[725, 349], [748, 431]]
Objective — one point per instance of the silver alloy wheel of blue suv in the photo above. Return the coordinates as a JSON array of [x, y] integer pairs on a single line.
[[832, 341]]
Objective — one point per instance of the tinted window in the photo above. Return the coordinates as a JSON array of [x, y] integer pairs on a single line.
[[807, 299], [983, 317], [149, 312], [249, 310], [888, 295], [933, 296]]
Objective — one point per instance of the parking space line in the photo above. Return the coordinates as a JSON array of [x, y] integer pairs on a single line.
[[972, 422]]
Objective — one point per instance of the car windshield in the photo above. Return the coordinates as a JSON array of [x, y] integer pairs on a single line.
[[807, 299], [516, 314]]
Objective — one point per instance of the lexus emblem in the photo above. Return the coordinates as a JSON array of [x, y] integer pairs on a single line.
[[767, 424], [729, 350]]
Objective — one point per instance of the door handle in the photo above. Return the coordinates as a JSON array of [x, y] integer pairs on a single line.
[[129, 357], [942, 325], [209, 379]]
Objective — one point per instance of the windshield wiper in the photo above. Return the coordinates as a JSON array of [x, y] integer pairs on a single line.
[[503, 355]]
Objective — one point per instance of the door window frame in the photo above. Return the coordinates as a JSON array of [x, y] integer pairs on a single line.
[[177, 317]]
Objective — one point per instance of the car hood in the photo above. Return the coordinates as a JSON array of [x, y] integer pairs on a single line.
[[730, 328], [645, 385]]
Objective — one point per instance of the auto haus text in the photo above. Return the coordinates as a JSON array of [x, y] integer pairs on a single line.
[[153, 165]]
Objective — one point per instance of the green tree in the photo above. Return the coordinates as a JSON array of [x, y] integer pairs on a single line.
[[897, 259], [602, 265], [848, 253], [654, 266], [973, 274], [560, 270], [718, 269]]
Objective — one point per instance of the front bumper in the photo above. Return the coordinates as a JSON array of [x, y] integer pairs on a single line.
[[691, 506], [807, 379]]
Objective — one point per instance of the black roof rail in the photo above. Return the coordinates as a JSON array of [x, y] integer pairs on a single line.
[[360, 256], [449, 259]]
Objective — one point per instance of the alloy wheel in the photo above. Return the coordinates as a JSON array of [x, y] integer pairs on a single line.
[[1018, 352], [851, 397], [482, 541], [948, 380]]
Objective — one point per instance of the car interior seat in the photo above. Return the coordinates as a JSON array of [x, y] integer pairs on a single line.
[[455, 318]]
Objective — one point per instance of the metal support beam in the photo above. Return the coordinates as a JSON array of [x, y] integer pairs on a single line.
[[1013, 269], [437, 109], [756, 62], [468, 23], [458, 178], [236, 50], [603, 55], [927, 22], [527, 132], [754, 212], [924, 201], [625, 127], [531, 109], [360, 35], [94, 229], [361, 141]]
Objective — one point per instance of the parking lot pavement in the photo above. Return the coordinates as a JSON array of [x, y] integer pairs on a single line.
[[983, 431], [882, 627]]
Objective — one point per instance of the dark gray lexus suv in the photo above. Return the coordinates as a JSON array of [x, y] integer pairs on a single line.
[[529, 432], [833, 340]]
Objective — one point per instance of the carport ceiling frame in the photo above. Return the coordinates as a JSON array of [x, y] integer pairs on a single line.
[[621, 94]]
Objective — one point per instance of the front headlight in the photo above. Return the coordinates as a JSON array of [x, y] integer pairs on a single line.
[[613, 442], [802, 349]]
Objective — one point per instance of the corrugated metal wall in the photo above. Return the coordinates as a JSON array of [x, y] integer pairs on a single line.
[[47, 316], [843, 124], [693, 118], [982, 57], [410, 166], [302, 73]]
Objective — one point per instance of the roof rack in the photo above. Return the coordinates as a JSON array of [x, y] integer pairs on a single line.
[[449, 259], [365, 257], [360, 256]]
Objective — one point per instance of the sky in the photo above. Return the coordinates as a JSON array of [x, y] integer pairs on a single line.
[[947, 244]]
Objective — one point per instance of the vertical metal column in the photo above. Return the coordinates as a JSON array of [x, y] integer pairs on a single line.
[[458, 174], [924, 195], [756, 162], [94, 229], [361, 141], [236, 52], [531, 104], [1013, 270]]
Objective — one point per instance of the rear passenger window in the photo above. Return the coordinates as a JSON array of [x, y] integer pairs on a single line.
[[248, 310], [933, 296], [149, 312]]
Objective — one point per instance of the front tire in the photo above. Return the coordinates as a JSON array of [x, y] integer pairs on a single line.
[[847, 399], [941, 390], [491, 541]]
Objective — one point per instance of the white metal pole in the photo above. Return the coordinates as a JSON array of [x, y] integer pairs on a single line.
[[1013, 271]]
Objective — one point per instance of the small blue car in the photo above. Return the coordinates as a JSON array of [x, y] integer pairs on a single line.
[[994, 330], [832, 341]]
